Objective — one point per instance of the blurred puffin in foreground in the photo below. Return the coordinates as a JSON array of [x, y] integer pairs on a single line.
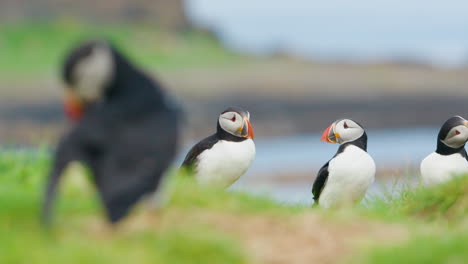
[[125, 133], [450, 157], [344, 179], [221, 159]]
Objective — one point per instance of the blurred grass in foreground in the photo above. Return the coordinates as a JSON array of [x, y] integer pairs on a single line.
[[448, 248], [33, 49], [183, 232], [80, 237], [442, 214], [446, 203]]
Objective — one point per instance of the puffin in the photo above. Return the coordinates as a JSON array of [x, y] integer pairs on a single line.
[[450, 157], [222, 158], [125, 129], [345, 178]]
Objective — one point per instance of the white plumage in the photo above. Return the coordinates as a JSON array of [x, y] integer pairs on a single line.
[[225, 162], [436, 168], [93, 73], [350, 175]]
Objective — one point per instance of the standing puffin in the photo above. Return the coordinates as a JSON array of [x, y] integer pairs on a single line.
[[222, 158], [125, 132], [346, 177], [450, 156]]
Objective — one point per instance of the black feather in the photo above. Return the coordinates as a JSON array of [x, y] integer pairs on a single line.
[[191, 158], [320, 181]]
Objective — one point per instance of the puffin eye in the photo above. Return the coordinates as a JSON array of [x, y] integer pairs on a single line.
[[345, 125], [457, 132], [233, 119]]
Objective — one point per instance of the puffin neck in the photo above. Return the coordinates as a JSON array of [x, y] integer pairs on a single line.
[[361, 143], [221, 134], [445, 150]]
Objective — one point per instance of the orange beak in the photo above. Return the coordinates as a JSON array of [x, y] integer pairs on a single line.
[[329, 134], [251, 131], [73, 107]]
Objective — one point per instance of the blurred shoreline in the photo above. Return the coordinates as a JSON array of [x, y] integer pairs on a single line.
[[286, 95], [39, 122]]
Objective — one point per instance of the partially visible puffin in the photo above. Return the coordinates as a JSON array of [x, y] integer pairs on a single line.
[[344, 179], [450, 157], [222, 158], [126, 129]]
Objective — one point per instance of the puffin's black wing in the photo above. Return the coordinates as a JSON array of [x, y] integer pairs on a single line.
[[196, 150], [67, 151], [135, 161], [320, 182], [127, 155]]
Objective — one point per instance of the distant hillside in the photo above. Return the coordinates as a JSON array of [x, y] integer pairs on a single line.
[[169, 14]]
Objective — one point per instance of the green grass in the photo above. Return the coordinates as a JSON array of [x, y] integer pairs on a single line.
[[438, 216], [445, 248], [436, 219], [22, 244], [447, 202], [35, 49], [23, 240], [186, 197]]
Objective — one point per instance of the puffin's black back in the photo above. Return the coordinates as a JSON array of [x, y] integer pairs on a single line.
[[128, 139]]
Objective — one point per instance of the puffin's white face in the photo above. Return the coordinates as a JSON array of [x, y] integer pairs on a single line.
[[236, 124], [342, 131], [88, 71], [92, 73], [457, 136]]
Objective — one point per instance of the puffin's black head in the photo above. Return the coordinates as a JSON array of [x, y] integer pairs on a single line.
[[236, 121], [453, 134], [88, 72], [343, 131]]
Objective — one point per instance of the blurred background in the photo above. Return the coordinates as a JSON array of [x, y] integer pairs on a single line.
[[398, 67]]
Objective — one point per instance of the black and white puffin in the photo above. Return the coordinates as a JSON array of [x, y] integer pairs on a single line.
[[450, 157], [221, 159], [126, 128], [344, 179]]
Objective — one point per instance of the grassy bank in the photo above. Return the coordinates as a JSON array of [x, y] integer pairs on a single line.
[[81, 236], [35, 49], [201, 225]]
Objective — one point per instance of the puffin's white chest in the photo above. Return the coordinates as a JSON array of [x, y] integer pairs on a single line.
[[437, 168], [350, 175], [225, 162]]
